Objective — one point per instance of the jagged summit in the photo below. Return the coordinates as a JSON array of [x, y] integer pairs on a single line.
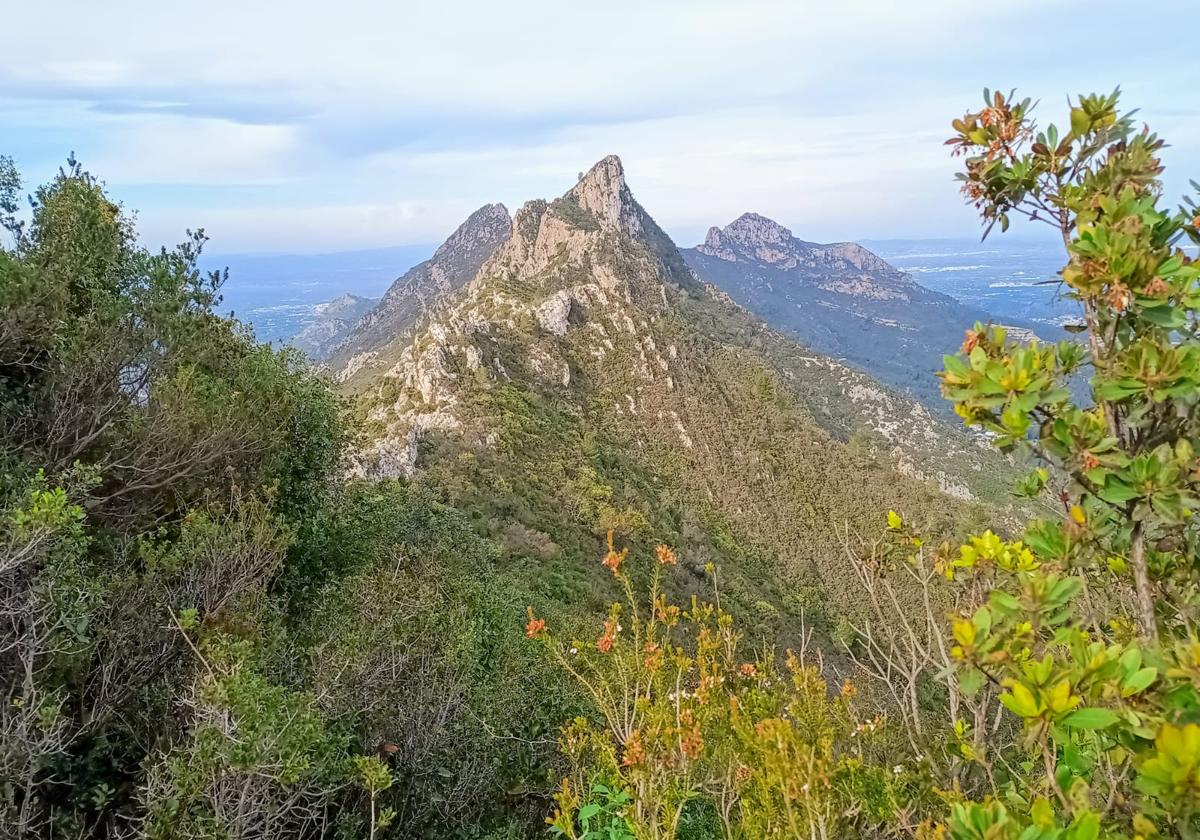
[[483, 225], [749, 229], [604, 193], [756, 238]]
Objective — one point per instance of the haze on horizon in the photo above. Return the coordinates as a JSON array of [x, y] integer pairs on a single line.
[[365, 125]]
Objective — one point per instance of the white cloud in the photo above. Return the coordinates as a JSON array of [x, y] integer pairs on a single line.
[[308, 228], [827, 115], [175, 150]]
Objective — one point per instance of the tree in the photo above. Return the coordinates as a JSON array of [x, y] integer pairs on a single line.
[[153, 459]]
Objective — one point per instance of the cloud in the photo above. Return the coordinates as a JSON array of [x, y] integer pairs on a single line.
[[169, 150], [827, 115], [310, 228]]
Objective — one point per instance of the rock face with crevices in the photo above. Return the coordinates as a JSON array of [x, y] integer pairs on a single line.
[[839, 299], [585, 345]]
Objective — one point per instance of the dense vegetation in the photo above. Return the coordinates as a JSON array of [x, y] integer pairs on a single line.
[[1048, 688], [207, 631]]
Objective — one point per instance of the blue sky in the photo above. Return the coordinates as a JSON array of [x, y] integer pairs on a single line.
[[316, 126]]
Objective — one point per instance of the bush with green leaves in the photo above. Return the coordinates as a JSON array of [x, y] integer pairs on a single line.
[[687, 722], [154, 461], [1086, 629]]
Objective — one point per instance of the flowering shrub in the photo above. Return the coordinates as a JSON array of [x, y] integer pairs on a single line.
[[686, 719]]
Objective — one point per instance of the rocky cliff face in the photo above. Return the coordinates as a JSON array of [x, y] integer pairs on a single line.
[[587, 292], [454, 263], [839, 299], [330, 325]]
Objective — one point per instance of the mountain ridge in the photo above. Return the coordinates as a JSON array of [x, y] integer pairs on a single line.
[[331, 322], [840, 299], [454, 263], [585, 374]]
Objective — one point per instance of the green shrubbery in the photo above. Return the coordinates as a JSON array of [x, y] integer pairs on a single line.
[[1046, 688], [207, 632]]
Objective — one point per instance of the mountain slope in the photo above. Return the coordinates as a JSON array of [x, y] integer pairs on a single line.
[[330, 324], [586, 380], [839, 299], [452, 265]]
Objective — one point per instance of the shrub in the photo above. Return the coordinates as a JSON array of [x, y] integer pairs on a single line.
[[685, 719], [1084, 629]]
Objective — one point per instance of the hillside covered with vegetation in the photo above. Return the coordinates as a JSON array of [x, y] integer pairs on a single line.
[[589, 550]]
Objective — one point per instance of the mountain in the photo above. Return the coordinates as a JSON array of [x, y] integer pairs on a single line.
[[454, 263], [840, 299], [587, 380], [330, 324]]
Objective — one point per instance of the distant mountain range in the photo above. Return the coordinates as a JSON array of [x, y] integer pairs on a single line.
[[839, 299], [330, 324], [278, 293]]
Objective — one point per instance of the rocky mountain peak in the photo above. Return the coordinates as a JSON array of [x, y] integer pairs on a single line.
[[486, 227], [331, 322], [590, 307], [452, 266], [604, 193], [752, 229], [756, 238], [753, 238], [344, 306]]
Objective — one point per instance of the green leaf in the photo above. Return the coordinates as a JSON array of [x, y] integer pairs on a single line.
[[970, 680], [1091, 718], [1139, 681], [1079, 122], [1003, 601], [955, 365], [1110, 390], [1171, 317], [1117, 491], [982, 620], [1085, 827], [1131, 660], [1020, 701], [588, 811]]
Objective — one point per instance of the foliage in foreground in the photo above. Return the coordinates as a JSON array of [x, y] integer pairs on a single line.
[[1049, 685], [1089, 627], [700, 734], [205, 631]]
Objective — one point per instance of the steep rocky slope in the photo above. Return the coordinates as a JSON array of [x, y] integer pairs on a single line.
[[452, 265], [330, 325], [586, 379], [839, 299]]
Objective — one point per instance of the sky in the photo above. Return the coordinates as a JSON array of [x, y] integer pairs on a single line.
[[314, 126]]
